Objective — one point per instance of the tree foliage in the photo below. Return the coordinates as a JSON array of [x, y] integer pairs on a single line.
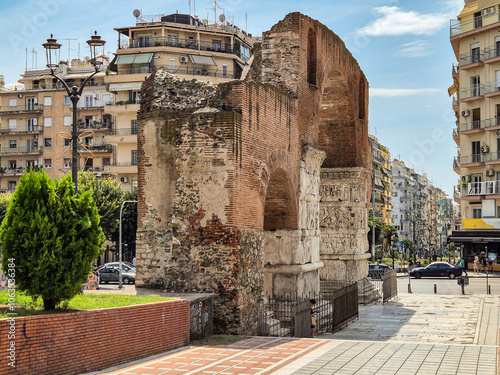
[[108, 197], [129, 226], [52, 235], [4, 203]]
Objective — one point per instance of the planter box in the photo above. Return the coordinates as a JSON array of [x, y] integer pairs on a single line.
[[93, 340]]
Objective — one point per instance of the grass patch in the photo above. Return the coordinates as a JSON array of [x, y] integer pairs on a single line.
[[26, 305]]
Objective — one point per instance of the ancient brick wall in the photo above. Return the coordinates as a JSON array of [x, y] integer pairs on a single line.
[[230, 175]]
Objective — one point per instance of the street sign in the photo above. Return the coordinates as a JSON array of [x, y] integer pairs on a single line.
[[492, 256]]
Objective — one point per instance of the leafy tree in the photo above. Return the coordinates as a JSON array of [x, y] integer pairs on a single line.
[[378, 229], [4, 202], [389, 232], [52, 235], [129, 226], [107, 196]]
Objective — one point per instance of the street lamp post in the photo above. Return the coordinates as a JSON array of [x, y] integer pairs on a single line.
[[52, 49]]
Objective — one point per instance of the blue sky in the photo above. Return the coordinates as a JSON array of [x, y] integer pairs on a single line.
[[402, 46]]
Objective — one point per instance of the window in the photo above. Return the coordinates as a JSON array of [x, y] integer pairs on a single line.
[[12, 185], [476, 213], [478, 20], [224, 70], [47, 121], [133, 127], [12, 164], [171, 66], [476, 118], [476, 151], [172, 40], [31, 164], [89, 101], [12, 144], [30, 145], [67, 100], [475, 86], [134, 157], [134, 185], [12, 123], [106, 162], [47, 101], [474, 53], [67, 142], [12, 103], [48, 142], [216, 44], [68, 121], [145, 41], [89, 121], [67, 163], [32, 123], [47, 163]]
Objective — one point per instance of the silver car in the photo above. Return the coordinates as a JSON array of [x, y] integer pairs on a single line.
[[111, 274]]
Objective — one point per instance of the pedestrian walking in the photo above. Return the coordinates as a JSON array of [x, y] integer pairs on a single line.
[[484, 263], [461, 264], [476, 265], [313, 317], [133, 260]]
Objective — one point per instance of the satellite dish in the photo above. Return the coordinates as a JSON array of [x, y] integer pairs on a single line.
[[222, 18], [137, 13], [204, 22]]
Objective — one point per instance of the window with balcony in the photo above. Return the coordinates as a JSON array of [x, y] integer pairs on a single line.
[[31, 103], [47, 163], [12, 164], [478, 20], [48, 142], [13, 144], [216, 44], [89, 101], [145, 41], [475, 86], [476, 151], [172, 40], [30, 145], [106, 162], [31, 164], [12, 185], [133, 125], [474, 53], [476, 118], [31, 124]]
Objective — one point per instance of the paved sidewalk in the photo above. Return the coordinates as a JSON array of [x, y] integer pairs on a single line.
[[416, 334]]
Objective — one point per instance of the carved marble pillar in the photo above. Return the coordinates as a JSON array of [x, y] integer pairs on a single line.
[[344, 223], [291, 257]]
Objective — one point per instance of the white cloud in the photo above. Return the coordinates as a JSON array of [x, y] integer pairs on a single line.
[[402, 92], [417, 48], [393, 22]]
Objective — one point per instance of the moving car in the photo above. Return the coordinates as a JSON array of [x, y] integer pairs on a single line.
[[437, 269], [107, 274], [126, 266]]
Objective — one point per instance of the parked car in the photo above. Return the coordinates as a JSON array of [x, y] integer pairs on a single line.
[[437, 269], [107, 274], [375, 271], [126, 266]]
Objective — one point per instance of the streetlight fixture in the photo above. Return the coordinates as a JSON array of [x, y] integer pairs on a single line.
[[52, 52]]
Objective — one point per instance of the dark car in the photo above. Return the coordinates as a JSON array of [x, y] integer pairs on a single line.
[[437, 269], [107, 274], [375, 271]]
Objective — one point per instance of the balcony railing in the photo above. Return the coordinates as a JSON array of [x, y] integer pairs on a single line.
[[474, 90], [495, 121], [21, 108], [458, 27], [182, 43], [474, 158], [492, 87], [471, 58], [22, 150], [483, 188], [492, 156], [12, 172], [472, 125], [491, 52], [455, 100], [127, 131], [456, 132], [28, 129], [456, 162], [96, 148]]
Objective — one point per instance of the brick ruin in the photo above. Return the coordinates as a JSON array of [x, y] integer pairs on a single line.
[[257, 186]]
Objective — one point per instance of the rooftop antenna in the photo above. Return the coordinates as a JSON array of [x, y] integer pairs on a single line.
[[194, 8], [215, 10], [34, 56], [246, 22], [189, 3], [69, 47], [26, 64]]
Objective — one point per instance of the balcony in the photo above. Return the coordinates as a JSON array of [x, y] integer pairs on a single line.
[[483, 188], [458, 27], [456, 136], [124, 131], [33, 108], [474, 92], [25, 130], [121, 168], [22, 150], [472, 159], [94, 125], [492, 54], [182, 43], [467, 127], [455, 103], [491, 89], [10, 172], [492, 158], [126, 135], [471, 60], [96, 148]]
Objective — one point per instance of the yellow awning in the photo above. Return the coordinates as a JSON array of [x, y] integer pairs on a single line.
[[452, 90], [128, 86], [202, 60]]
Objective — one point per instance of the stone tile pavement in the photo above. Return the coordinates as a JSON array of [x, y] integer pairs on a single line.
[[413, 335]]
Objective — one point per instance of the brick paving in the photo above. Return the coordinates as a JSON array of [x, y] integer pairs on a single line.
[[414, 335]]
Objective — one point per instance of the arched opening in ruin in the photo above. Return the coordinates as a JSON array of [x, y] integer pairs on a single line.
[[311, 57], [280, 211], [337, 133]]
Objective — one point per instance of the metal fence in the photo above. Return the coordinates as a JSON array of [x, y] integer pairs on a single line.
[[201, 318], [389, 285], [383, 285], [289, 315]]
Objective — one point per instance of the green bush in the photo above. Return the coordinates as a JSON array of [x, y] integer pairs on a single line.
[[52, 237]]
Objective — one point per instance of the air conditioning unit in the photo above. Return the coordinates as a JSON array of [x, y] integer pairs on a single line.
[[487, 11], [19, 95], [465, 113], [124, 179], [490, 172], [183, 59], [485, 149], [466, 178], [498, 133], [35, 136], [98, 174]]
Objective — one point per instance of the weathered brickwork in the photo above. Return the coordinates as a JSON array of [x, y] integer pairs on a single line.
[[231, 176]]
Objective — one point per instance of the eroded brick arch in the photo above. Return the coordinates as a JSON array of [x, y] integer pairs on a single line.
[[280, 210]]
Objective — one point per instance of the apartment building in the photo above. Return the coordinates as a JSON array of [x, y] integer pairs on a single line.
[[36, 124], [2, 83], [188, 48], [475, 40], [382, 181]]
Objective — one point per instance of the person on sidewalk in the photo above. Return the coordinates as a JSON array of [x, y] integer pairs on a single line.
[[476, 265], [484, 263], [461, 264], [313, 317]]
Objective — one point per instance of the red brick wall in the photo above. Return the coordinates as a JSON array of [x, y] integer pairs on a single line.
[[93, 340]]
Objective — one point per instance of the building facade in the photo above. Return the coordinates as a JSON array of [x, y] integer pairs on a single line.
[[382, 182], [183, 45], [476, 89]]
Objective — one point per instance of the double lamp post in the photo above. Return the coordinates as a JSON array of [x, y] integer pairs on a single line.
[[52, 51]]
